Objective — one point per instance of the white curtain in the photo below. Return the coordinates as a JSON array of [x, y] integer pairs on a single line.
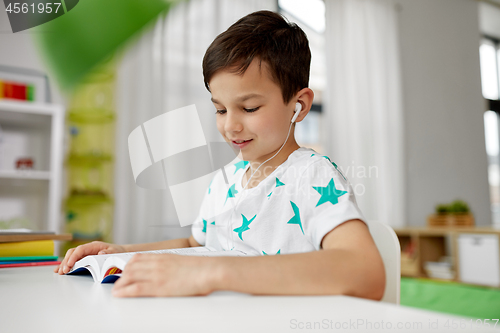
[[159, 73], [363, 104]]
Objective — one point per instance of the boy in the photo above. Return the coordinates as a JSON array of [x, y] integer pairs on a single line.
[[285, 200]]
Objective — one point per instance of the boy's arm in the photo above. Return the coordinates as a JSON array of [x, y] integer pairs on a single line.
[[168, 244], [347, 264]]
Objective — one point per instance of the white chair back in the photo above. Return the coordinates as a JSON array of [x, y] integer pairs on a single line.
[[388, 245]]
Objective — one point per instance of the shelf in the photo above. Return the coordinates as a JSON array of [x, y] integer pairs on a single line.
[[434, 244], [31, 131], [25, 174], [28, 107], [27, 115]]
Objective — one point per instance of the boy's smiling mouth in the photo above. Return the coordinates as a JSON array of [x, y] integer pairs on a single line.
[[241, 143]]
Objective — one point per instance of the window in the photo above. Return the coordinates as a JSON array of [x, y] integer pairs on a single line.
[[310, 13], [489, 53], [310, 17]]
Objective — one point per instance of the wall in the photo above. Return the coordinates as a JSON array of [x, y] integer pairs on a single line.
[[443, 107], [18, 50]]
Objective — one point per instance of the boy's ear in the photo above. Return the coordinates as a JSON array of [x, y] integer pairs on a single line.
[[304, 97]]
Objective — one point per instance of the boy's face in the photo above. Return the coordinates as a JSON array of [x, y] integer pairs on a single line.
[[250, 107]]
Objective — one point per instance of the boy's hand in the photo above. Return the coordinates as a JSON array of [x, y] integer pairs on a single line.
[[165, 275], [77, 253]]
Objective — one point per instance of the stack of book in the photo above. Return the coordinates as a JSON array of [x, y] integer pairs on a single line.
[[442, 269], [16, 90], [20, 248]]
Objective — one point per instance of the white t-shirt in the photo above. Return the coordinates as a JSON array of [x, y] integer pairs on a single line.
[[290, 211]]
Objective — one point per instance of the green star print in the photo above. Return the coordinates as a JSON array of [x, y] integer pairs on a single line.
[[279, 183], [276, 252], [204, 226], [329, 193], [296, 218], [240, 165], [231, 193], [244, 226], [335, 165], [209, 186]]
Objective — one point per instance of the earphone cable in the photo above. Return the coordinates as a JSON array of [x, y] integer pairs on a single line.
[[248, 182]]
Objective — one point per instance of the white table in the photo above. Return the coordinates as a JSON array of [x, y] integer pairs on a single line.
[[34, 299]]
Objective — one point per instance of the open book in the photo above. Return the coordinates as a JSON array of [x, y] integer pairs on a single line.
[[107, 268]]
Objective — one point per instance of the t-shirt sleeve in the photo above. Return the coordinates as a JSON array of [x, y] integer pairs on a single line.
[[328, 200], [199, 227]]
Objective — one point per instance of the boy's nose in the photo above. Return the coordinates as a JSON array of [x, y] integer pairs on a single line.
[[233, 123]]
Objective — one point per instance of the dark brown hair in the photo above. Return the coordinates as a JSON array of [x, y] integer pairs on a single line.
[[266, 36]]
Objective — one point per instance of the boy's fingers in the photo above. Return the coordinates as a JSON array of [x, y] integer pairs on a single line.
[[56, 269], [122, 282], [65, 260], [134, 290], [75, 255], [133, 275], [80, 252]]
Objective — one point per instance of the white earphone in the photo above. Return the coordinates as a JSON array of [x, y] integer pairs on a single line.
[[298, 108]]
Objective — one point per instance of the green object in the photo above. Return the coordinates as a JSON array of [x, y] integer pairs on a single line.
[[451, 297], [244, 226], [30, 93], [91, 118], [329, 193], [442, 209], [455, 207], [91, 176], [296, 217], [91, 217], [93, 140], [31, 258], [77, 41], [458, 207]]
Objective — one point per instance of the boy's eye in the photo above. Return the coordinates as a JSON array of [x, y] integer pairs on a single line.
[[247, 110]]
